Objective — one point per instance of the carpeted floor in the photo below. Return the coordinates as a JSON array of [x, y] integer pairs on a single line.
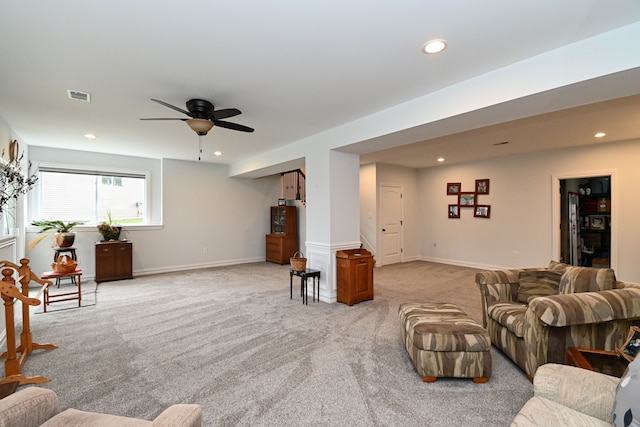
[[231, 340]]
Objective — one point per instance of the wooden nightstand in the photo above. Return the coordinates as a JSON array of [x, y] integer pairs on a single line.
[[114, 260]]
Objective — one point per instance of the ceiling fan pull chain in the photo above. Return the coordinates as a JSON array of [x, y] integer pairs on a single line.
[[199, 146]]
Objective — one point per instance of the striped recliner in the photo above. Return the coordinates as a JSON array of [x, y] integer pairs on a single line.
[[535, 323]]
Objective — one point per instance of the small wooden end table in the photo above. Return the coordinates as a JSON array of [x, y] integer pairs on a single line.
[[51, 298], [605, 362]]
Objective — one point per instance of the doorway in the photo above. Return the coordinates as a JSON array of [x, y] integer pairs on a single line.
[[586, 221], [391, 214]]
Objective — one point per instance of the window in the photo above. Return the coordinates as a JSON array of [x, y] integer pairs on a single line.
[[89, 196]]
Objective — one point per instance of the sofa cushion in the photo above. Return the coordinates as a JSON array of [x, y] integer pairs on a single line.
[[509, 315], [586, 279], [626, 407], [537, 283]]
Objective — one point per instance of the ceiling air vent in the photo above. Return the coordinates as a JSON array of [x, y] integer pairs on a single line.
[[80, 96]]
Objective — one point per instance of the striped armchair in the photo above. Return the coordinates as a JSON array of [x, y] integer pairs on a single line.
[[534, 315]]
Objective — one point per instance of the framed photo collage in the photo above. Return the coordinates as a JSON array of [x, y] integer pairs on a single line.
[[469, 199]]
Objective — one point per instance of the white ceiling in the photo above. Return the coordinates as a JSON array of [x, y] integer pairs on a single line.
[[294, 68]]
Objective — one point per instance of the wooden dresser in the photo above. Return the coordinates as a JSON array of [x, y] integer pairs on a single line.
[[114, 261]]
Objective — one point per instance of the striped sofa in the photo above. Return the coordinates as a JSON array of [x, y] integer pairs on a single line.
[[533, 315]]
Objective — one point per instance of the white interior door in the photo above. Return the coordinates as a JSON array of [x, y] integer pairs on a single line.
[[391, 220]]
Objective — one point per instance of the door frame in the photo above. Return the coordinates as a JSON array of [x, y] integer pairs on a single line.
[[379, 236], [556, 237]]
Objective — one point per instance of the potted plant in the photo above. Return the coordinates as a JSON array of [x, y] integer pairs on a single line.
[[13, 183], [108, 229], [63, 237]]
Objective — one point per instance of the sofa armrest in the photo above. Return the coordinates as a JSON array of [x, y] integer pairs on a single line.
[[587, 307], [29, 407], [625, 285], [585, 391], [180, 415]]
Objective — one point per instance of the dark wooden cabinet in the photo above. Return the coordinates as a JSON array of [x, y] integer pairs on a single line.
[[354, 276], [595, 230], [114, 261], [282, 242]]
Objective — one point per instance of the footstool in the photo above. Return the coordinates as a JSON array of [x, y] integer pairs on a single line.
[[443, 341]]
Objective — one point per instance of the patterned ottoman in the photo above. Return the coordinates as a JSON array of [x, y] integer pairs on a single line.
[[443, 341]]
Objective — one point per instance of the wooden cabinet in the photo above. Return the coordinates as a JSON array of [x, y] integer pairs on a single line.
[[282, 243], [114, 261], [354, 276]]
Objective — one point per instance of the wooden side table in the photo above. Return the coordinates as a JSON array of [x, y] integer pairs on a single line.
[[605, 362], [67, 296]]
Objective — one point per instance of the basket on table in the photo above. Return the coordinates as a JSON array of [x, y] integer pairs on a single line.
[[64, 265], [298, 261]]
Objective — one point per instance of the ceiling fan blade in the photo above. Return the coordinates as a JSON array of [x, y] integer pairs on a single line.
[[232, 126], [225, 114], [166, 118], [173, 107]]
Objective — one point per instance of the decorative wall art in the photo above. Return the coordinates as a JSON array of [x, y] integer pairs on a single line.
[[469, 199], [482, 211], [453, 188], [482, 186]]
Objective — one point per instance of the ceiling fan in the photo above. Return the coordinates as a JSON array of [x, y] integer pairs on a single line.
[[203, 116]]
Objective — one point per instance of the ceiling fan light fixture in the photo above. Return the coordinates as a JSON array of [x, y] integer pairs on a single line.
[[200, 126]]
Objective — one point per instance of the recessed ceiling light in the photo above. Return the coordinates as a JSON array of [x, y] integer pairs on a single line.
[[218, 153], [434, 46], [440, 159], [89, 136], [600, 135]]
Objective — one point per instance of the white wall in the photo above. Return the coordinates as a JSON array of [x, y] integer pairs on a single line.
[[368, 208], [202, 208], [521, 207]]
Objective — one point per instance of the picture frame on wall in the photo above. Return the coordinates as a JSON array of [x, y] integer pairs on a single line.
[[482, 186], [482, 211], [454, 211], [467, 199], [453, 188]]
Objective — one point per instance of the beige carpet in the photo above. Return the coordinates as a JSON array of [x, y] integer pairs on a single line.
[[231, 340]]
